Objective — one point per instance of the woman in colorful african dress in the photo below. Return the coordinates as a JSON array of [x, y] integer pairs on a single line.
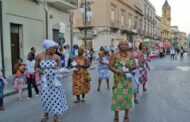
[[103, 69], [122, 63], [144, 64], [81, 76]]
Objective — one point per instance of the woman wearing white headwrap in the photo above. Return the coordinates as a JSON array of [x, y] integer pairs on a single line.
[[52, 95]]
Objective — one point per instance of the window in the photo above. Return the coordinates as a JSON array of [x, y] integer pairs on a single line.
[[129, 22], [112, 16], [122, 20], [135, 26]]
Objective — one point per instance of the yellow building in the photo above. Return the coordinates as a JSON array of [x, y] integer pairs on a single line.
[[166, 21], [111, 19]]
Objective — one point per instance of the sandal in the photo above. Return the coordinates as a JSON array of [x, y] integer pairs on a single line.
[[136, 101], [144, 89], [76, 101], [56, 119], [44, 119], [126, 119], [116, 119], [83, 100]]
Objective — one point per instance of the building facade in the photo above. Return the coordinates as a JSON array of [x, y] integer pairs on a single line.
[[149, 19], [177, 38], [26, 23], [111, 20], [166, 21], [157, 27]]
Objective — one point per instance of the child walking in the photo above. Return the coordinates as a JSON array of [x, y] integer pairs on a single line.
[[19, 78]]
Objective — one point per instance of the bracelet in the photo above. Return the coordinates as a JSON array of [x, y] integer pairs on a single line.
[[117, 71]]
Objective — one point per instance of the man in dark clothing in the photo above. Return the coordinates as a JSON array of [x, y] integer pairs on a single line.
[[33, 51]]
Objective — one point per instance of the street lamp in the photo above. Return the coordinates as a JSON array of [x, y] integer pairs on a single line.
[[87, 13]]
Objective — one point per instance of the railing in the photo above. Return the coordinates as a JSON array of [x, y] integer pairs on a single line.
[[72, 2]]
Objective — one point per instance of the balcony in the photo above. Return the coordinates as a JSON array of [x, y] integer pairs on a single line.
[[63, 5], [114, 26], [89, 36]]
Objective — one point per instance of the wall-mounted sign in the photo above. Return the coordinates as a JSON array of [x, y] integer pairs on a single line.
[[61, 27]]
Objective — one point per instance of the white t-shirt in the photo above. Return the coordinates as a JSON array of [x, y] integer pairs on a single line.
[[30, 66], [172, 51], [66, 53], [76, 52]]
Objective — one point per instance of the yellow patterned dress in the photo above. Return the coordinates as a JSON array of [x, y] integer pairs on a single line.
[[81, 78], [122, 88]]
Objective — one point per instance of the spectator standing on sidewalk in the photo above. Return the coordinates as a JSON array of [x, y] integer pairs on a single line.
[[19, 78], [70, 51], [31, 76], [103, 69], [91, 55], [66, 55], [182, 51], [121, 64], [33, 51], [52, 95], [172, 53], [144, 64], [81, 76], [3, 83]]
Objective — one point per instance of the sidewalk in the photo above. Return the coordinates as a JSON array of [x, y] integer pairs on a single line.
[[9, 89]]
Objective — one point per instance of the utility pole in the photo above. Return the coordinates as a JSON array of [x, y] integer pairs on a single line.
[[71, 28], [85, 23], [46, 18]]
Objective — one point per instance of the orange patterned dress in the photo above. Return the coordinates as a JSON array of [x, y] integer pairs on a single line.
[[81, 78]]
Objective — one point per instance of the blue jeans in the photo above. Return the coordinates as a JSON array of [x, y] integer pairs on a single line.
[[1, 92]]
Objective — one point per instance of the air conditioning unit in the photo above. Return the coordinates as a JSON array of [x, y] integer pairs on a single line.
[[94, 32]]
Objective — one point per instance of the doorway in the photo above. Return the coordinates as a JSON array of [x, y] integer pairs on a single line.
[[15, 43]]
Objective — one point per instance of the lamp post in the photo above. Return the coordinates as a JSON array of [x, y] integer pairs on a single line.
[[87, 13]]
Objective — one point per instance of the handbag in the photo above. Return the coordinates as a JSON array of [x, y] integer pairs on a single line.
[[87, 76], [57, 81]]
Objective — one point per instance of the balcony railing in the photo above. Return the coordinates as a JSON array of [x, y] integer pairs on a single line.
[[114, 25], [89, 36], [64, 5]]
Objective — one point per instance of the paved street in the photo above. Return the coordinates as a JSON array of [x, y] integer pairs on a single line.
[[167, 99]]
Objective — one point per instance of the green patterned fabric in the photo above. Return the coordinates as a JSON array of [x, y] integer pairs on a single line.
[[122, 89]]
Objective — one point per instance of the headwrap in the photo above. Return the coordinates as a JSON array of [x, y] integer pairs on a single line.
[[49, 43], [123, 41]]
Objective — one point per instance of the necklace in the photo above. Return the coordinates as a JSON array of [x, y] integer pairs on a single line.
[[47, 56]]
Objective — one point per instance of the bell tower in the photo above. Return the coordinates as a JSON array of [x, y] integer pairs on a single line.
[[166, 21], [166, 11]]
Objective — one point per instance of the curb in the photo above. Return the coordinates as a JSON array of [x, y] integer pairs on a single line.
[[12, 91]]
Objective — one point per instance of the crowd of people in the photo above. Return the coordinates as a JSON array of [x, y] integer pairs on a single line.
[[129, 66]]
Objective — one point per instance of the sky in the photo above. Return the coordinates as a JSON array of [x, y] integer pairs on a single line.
[[180, 13]]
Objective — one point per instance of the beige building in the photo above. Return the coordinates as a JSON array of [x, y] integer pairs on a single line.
[[149, 19], [182, 38], [157, 27], [110, 21], [177, 37], [25, 23], [166, 21]]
